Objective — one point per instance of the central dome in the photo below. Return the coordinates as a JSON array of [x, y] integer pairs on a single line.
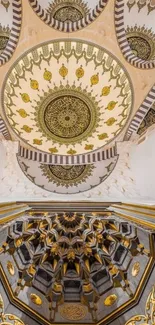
[[72, 97]]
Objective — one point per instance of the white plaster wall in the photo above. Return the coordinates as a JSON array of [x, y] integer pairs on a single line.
[[133, 179], [120, 186], [143, 166], [2, 157]]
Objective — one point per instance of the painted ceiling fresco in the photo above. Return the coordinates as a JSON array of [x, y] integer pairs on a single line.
[[77, 88], [68, 93], [67, 97]]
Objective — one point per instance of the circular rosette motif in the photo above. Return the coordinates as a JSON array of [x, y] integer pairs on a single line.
[[73, 312], [67, 97], [67, 179], [68, 15], [67, 115]]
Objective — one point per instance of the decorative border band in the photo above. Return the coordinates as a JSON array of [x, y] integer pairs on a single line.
[[67, 160], [122, 40], [3, 130], [15, 32], [67, 27], [141, 113]]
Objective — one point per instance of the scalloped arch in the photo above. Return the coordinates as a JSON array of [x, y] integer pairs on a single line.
[[12, 29], [136, 40], [69, 179], [141, 113], [39, 8]]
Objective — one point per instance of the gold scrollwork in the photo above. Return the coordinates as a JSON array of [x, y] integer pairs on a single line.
[[8, 319], [149, 317], [110, 300], [135, 269], [36, 299]]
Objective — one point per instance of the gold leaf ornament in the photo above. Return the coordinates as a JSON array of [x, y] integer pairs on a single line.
[[111, 105], [36, 299], [105, 91], [22, 113], [110, 121], [135, 269], [26, 128], [110, 300], [102, 136], [47, 75], [25, 97], [79, 72], [53, 150], [1, 302], [34, 84], [10, 268], [63, 71], [89, 147], [37, 142], [94, 80], [71, 152], [148, 317], [18, 242]]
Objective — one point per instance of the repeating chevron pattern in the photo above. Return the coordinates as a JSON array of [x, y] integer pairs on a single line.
[[15, 32], [4, 130], [141, 113], [70, 27], [67, 160], [122, 40]]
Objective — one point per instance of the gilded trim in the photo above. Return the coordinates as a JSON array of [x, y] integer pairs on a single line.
[[110, 317], [140, 222], [12, 217], [140, 206], [135, 211]]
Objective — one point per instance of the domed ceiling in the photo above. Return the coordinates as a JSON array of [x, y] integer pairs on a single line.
[[67, 97], [77, 87], [73, 267]]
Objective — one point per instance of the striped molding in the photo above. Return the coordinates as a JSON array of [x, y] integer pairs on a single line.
[[122, 40], [67, 27], [3, 130], [67, 160], [141, 113], [15, 32]]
